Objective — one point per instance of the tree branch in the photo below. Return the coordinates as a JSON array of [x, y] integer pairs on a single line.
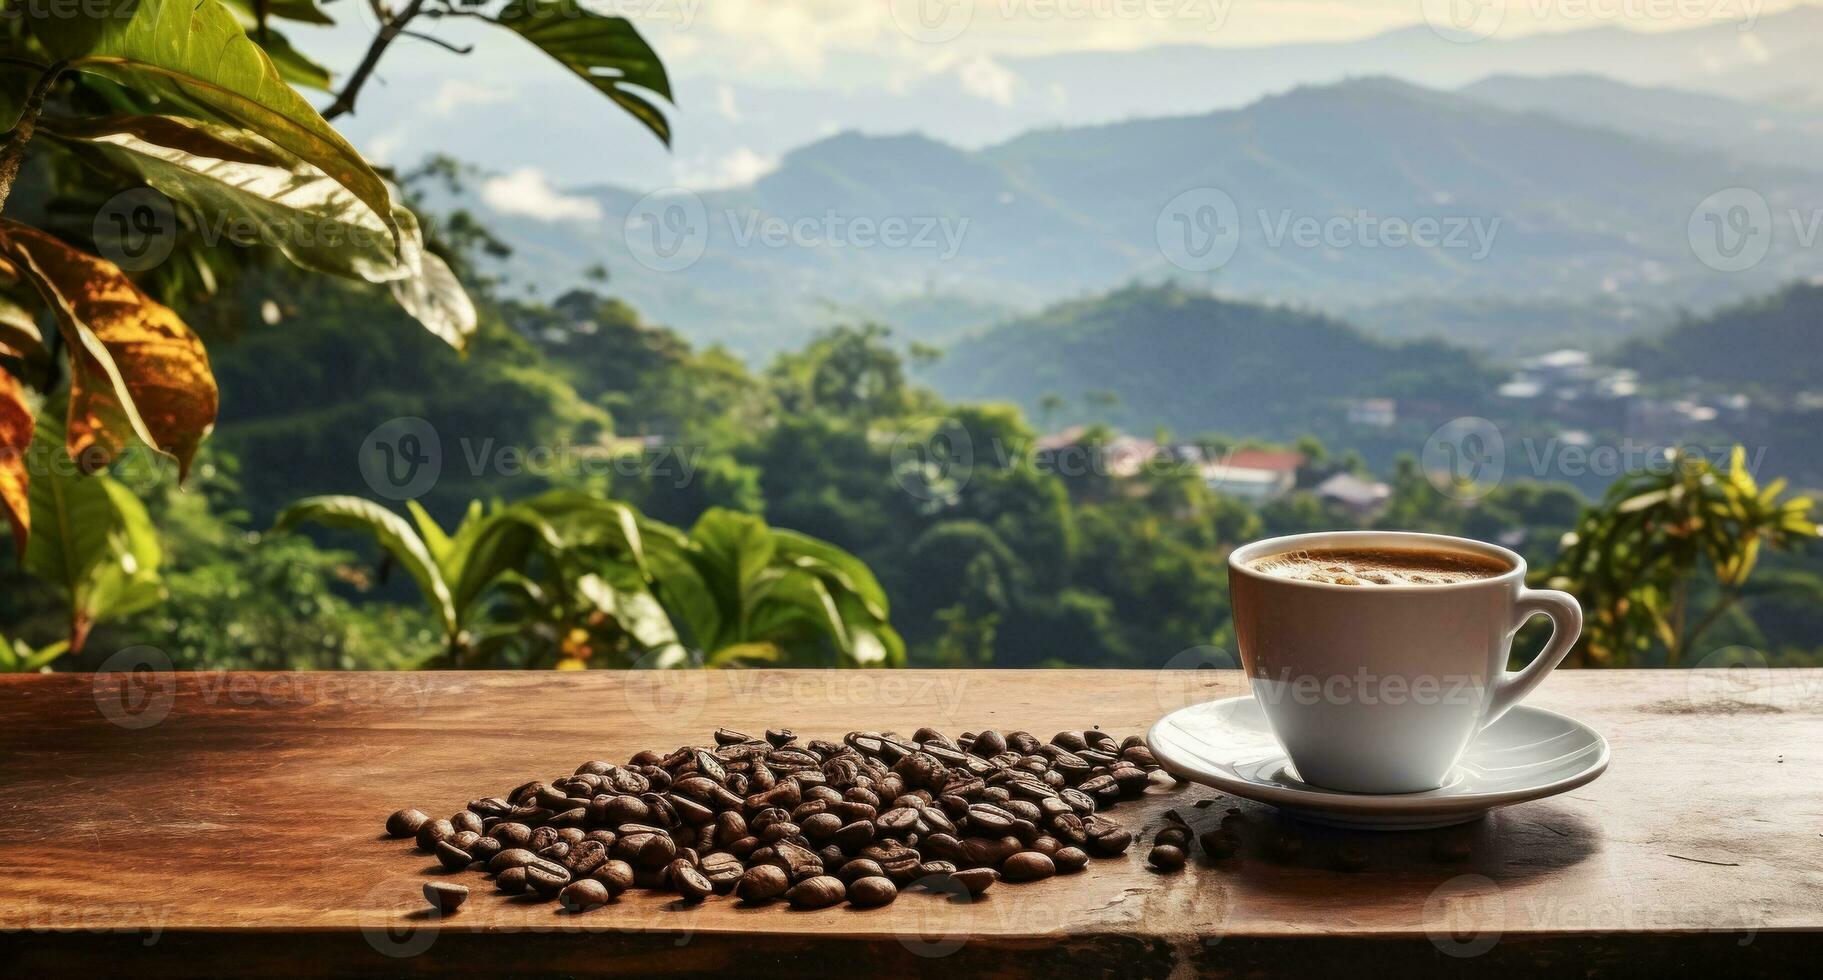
[[439, 42], [390, 29], [12, 155]]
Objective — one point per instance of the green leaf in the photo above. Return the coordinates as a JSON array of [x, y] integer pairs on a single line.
[[831, 562], [391, 532], [606, 52], [194, 53], [636, 610], [91, 538], [435, 541], [247, 190]]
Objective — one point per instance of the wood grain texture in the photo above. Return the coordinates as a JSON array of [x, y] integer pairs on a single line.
[[184, 823]]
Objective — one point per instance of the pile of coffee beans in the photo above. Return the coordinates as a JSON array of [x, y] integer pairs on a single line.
[[813, 823]]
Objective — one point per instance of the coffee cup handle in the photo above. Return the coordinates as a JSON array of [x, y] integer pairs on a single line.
[[1565, 614]]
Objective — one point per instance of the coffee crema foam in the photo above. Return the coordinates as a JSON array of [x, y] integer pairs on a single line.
[[1380, 566]]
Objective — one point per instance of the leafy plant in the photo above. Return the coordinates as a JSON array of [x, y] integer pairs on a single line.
[[1634, 559], [94, 541], [194, 98], [589, 577]]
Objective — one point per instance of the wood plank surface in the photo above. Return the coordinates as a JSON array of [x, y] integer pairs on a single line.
[[193, 822]]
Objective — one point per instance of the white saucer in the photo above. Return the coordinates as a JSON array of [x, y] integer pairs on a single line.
[[1527, 755]]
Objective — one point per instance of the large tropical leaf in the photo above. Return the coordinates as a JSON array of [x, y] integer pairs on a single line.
[[238, 182], [584, 520], [607, 52], [91, 538], [15, 440], [635, 609], [393, 535], [500, 543], [135, 368], [833, 564], [196, 54], [292, 64]]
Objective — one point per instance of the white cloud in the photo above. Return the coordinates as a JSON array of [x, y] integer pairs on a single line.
[[526, 192], [985, 78], [457, 94], [739, 168]]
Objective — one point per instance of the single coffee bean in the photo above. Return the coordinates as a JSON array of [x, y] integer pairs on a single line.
[[511, 881], [820, 891], [453, 858], [484, 849], [871, 892], [545, 878], [1166, 857], [762, 883], [689, 882], [616, 875], [512, 834], [581, 896], [860, 868], [406, 823], [1070, 860], [974, 881], [433, 831], [466, 821], [1028, 866], [512, 857], [1176, 835], [1218, 844], [723, 870], [445, 897]]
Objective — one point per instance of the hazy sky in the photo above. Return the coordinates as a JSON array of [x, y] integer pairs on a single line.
[[837, 42]]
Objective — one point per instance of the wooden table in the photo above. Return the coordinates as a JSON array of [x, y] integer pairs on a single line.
[[191, 822]]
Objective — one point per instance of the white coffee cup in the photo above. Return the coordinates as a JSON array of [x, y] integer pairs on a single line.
[[1381, 688]]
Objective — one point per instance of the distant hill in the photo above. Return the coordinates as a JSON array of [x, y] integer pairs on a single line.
[[1763, 129], [1768, 343], [1525, 206], [1194, 363]]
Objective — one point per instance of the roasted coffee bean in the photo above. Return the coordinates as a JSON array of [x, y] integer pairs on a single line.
[[406, 823], [872, 892], [762, 883], [818, 892], [974, 881], [466, 821], [512, 835], [780, 737], [780, 830], [1219, 844], [485, 848], [512, 857], [859, 868], [433, 831], [988, 744], [447, 898], [616, 875], [688, 882], [1069, 741], [1028, 866], [453, 858], [1070, 860], [723, 870], [511, 881], [1177, 835], [546, 879], [581, 896], [1166, 857]]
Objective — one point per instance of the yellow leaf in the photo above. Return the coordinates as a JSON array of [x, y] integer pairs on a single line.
[[15, 438], [136, 370]]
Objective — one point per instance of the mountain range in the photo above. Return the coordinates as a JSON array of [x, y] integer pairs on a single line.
[[1530, 206]]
